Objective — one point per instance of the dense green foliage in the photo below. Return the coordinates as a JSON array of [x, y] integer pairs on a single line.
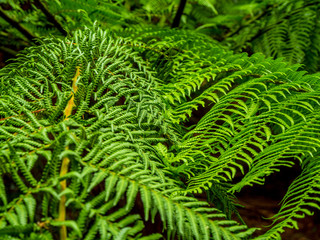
[[278, 28], [288, 29], [97, 134]]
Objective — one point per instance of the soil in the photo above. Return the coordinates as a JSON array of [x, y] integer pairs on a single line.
[[258, 208], [262, 202]]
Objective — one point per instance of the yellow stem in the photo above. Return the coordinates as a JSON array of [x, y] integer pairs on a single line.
[[68, 109], [62, 204], [66, 161]]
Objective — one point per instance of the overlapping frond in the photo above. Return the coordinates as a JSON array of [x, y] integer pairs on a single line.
[[301, 200], [101, 136], [82, 120], [286, 29], [260, 115]]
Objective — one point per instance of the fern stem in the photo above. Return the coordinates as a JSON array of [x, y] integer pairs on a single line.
[[68, 109], [62, 203], [51, 18], [177, 18], [66, 161], [17, 25], [35, 111], [9, 51]]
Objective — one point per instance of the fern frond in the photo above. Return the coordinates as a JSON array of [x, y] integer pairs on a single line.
[[94, 152]]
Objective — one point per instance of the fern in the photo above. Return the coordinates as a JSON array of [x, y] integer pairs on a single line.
[[98, 138], [262, 115], [79, 136], [285, 28]]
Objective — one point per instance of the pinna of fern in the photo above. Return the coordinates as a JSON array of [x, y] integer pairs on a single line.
[[262, 114], [81, 119]]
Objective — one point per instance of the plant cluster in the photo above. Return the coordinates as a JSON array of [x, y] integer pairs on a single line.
[[98, 138], [286, 28]]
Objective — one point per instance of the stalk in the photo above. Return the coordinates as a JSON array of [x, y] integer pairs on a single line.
[[66, 161]]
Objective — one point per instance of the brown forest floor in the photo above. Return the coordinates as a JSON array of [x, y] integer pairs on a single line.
[[258, 206], [262, 202]]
